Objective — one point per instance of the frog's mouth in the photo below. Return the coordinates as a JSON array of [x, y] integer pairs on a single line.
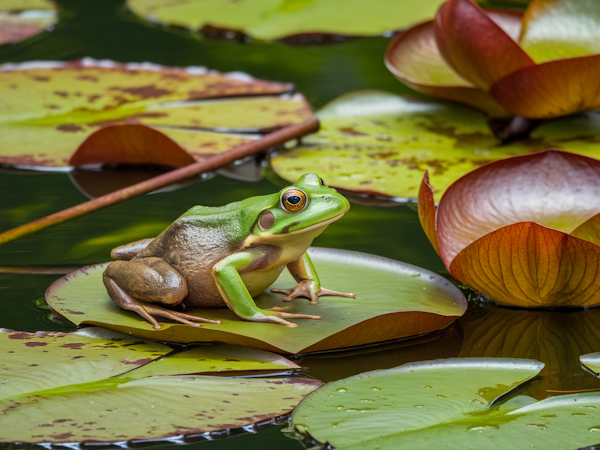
[[315, 226]]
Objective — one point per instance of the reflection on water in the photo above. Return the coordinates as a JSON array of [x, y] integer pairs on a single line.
[[556, 338]]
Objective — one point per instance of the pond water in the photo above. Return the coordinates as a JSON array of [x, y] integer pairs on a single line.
[[104, 29]]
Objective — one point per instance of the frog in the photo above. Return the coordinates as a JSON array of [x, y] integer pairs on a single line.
[[225, 256]]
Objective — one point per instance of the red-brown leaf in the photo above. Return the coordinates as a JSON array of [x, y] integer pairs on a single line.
[[528, 265], [413, 58], [551, 89], [475, 46], [557, 189], [130, 144], [427, 211]]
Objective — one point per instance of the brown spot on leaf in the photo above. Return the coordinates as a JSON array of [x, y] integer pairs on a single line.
[[62, 435], [352, 132], [74, 346], [20, 335], [40, 78], [61, 93], [69, 128], [138, 362], [35, 344], [149, 91]]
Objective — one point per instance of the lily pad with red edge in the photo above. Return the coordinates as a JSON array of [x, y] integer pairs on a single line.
[[54, 109], [275, 19], [393, 300], [86, 387], [379, 143]]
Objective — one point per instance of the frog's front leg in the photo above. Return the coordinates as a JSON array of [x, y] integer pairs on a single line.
[[135, 285], [235, 293], [308, 286]]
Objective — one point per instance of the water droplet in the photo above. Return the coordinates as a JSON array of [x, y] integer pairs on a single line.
[[342, 390], [330, 395], [340, 407], [480, 428], [593, 429], [589, 407], [367, 400], [441, 396], [578, 414], [548, 416], [375, 388], [428, 387], [418, 406], [535, 425]]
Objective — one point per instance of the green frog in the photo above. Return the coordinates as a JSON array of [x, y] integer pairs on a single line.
[[223, 256]]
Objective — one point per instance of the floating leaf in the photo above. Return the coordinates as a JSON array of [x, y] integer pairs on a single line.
[[380, 143], [22, 19], [53, 108], [592, 362], [83, 387], [274, 19], [418, 405], [39, 361], [403, 300]]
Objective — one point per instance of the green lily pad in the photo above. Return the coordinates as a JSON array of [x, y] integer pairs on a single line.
[[86, 386], [22, 19], [451, 404], [39, 361], [273, 19], [51, 108], [416, 405], [393, 300], [374, 142]]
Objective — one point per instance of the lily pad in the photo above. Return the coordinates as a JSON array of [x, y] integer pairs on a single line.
[[453, 404], [417, 405], [273, 19], [22, 19], [85, 386], [379, 143], [201, 111], [393, 300]]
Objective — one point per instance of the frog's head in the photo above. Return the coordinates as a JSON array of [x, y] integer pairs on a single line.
[[306, 206]]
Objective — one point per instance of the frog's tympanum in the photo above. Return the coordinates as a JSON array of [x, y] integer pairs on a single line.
[[223, 256]]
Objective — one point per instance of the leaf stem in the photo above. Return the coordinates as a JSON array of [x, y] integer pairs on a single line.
[[241, 151]]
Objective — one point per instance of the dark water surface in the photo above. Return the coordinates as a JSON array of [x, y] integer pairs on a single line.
[[104, 29]]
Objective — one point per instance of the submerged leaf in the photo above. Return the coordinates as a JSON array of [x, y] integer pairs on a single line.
[[403, 300], [273, 19], [52, 108]]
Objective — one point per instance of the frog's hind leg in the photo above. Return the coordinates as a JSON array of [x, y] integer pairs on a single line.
[[135, 285]]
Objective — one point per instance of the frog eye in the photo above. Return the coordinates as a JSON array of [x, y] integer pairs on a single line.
[[293, 200], [322, 182]]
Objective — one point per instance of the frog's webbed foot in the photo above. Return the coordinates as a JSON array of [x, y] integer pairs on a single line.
[[307, 288], [147, 311], [276, 315]]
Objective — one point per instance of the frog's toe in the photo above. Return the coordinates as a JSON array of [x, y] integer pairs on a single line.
[[324, 291]]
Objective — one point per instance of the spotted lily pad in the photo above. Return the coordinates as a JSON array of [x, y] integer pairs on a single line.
[[451, 404], [273, 19], [86, 386], [51, 108], [380, 143], [20, 19], [393, 300]]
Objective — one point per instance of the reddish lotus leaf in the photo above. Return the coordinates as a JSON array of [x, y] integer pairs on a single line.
[[413, 57], [545, 187], [526, 264], [554, 88], [130, 144], [427, 211], [508, 20], [484, 60], [503, 229]]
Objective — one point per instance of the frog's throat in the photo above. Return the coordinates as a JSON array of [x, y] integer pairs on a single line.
[[313, 227]]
